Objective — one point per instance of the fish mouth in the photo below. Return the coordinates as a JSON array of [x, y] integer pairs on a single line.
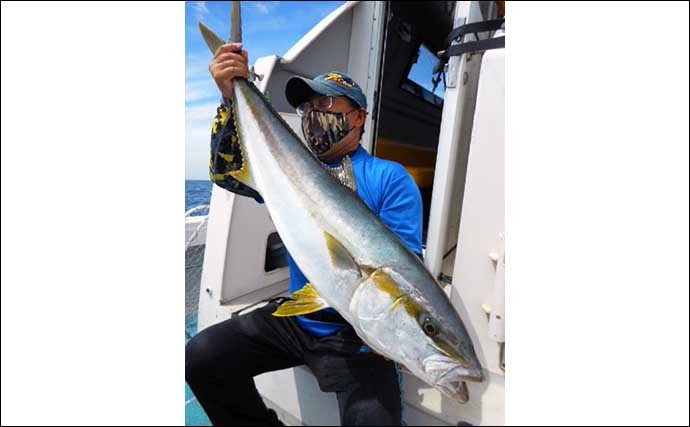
[[453, 383], [476, 376], [456, 390], [450, 376], [462, 374]]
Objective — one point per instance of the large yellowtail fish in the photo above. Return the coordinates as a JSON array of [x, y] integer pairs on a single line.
[[353, 261]]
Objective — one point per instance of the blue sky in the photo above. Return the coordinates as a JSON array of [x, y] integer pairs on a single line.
[[268, 28]]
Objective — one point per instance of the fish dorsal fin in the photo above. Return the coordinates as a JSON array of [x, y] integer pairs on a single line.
[[304, 301]]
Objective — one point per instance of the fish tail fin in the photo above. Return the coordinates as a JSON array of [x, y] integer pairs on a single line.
[[235, 23], [212, 40]]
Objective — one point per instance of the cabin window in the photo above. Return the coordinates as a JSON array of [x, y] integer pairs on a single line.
[[420, 77], [276, 254]]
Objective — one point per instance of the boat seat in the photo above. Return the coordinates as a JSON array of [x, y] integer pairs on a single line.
[[423, 176], [419, 161]]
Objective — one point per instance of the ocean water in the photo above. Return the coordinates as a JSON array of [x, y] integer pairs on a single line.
[[197, 193]]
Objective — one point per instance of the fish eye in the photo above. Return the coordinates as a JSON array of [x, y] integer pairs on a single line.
[[429, 327]]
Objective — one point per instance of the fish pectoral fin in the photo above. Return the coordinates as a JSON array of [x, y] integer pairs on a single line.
[[304, 301], [341, 259]]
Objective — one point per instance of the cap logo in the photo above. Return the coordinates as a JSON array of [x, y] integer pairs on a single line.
[[337, 78]]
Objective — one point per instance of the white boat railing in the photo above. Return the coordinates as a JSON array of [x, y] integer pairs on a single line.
[[199, 226]]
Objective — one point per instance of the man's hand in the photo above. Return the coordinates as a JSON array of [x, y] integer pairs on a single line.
[[230, 61]]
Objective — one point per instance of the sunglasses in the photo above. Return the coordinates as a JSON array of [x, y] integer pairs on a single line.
[[320, 103]]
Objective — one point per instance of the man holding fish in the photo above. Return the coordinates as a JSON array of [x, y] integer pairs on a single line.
[[352, 225], [223, 359]]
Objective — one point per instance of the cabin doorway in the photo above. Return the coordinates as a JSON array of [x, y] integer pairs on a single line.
[[411, 96]]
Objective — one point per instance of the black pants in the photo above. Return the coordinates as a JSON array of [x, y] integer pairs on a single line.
[[222, 360]]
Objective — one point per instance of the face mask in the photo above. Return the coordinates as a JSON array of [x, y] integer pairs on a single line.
[[323, 130]]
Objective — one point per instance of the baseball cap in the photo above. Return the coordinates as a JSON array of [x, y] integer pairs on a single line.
[[334, 83]]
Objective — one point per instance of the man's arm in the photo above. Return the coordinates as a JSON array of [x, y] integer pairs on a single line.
[[226, 156], [402, 209], [229, 61]]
